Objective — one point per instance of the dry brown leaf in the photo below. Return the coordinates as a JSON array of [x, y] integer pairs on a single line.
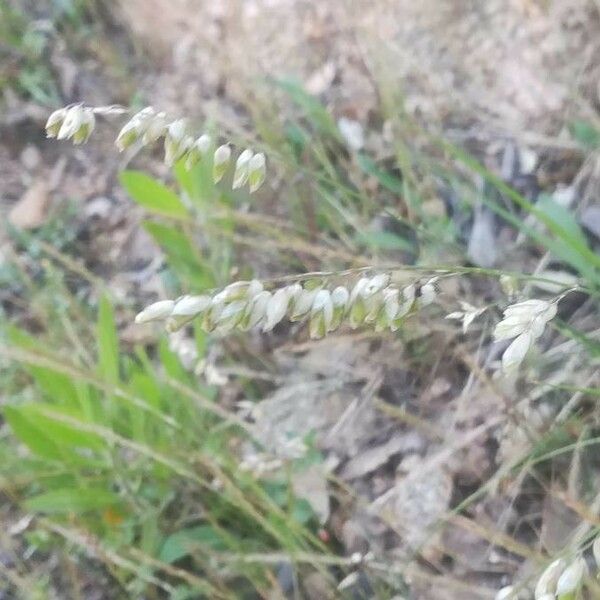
[[31, 210]]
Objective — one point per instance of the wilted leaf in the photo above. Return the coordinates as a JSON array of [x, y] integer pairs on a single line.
[[31, 209]]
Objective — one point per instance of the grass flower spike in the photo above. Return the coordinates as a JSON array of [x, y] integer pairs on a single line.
[[525, 322], [77, 122], [246, 304]]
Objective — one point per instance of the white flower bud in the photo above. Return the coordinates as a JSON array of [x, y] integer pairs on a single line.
[[176, 142], [321, 314], [525, 321], [257, 171], [373, 306], [136, 127], [204, 143], [510, 327], [241, 289], [358, 310], [78, 124], [198, 151], [127, 136], [255, 310], [388, 312], [375, 284], [71, 122], [276, 308], [527, 309], [547, 582], [294, 290], [428, 294], [86, 127], [221, 162], [231, 315], [372, 296], [241, 169], [515, 354], [191, 306], [302, 303], [177, 130], [156, 312], [408, 300], [571, 577], [340, 298], [255, 287], [55, 121], [211, 315], [154, 127]]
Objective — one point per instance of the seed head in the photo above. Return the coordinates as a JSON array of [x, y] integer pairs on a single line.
[[198, 151], [547, 582], [241, 169], [55, 121], [257, 171], [156, 312], [221, 162]]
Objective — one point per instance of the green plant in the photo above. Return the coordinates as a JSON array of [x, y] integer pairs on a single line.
[[132, 461]]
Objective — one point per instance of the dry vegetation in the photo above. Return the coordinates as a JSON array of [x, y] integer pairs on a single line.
[[140, 464]]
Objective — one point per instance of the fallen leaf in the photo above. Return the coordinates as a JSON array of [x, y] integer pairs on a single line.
[[31, 209]]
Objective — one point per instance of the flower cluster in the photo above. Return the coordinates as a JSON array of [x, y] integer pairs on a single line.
[[524, 321], [147, 126], [246, 304], [74, 122], [560, 580]]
